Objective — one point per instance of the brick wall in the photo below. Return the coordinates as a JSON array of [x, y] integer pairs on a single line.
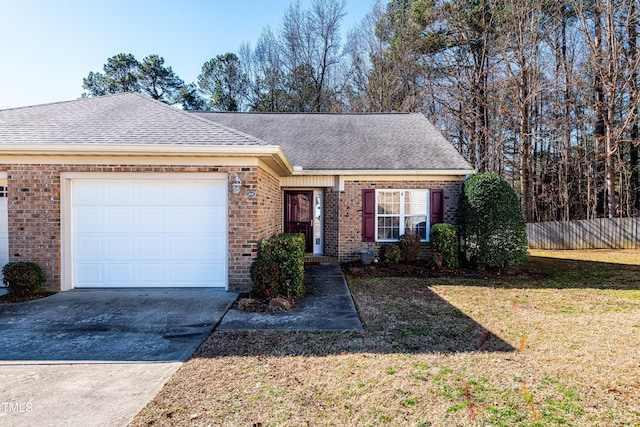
[[331, 232], [350, 210], [34, 213]]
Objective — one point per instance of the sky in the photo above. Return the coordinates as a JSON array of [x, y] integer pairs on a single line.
[[48, 46]]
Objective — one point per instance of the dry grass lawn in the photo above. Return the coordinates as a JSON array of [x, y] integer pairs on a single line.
[[555, 343]]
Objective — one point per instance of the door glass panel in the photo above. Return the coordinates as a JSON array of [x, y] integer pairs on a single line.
[[299, 209]]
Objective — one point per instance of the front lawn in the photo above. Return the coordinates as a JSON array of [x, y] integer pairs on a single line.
[[555, 343]]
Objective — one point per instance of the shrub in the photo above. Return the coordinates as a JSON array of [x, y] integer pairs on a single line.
[[390, 254], [279, 269], [492, 222], [23, 279], [410, 249], [266, 276], [444, 240]]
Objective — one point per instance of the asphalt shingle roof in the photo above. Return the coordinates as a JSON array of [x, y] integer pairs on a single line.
[[385, 141], [128, 118]]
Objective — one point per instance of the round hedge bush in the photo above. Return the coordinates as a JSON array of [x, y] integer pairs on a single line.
[[492, 222], [23, 279]]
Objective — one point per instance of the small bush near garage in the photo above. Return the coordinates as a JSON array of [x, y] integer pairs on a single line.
[[390, 254], [410, 249], [23, 279], [279, 269], [492, 222], [444, 240]]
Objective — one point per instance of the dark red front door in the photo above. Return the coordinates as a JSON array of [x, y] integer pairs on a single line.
[[298, 217]]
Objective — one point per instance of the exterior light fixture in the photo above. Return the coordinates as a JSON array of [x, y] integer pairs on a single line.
[[236, 185]]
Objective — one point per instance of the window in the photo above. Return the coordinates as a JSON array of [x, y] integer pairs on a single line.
[[3, 191], [401, 212], [387, 214]]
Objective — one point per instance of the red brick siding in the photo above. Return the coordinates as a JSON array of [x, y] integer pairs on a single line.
[[34, 213], [331, 232], [350, 210]]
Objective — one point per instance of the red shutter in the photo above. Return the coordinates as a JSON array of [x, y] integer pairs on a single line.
[[368, 215], [437, 206]]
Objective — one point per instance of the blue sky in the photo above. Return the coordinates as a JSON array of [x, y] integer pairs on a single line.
[[48, 46]]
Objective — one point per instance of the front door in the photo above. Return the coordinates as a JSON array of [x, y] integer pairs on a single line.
[[299, 215]]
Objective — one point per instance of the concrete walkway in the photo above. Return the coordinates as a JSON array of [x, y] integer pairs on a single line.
[[327, 307], [96, 357]]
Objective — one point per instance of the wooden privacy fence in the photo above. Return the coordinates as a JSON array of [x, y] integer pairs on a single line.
[[602, 233]]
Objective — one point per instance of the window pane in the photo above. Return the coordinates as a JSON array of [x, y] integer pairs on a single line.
[[416, 225], [389, 202], [388, 227], [415, 202]]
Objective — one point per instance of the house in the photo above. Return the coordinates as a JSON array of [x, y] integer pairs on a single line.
[[124, 191]]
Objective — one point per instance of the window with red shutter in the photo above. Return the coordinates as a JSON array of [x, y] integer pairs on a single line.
[[368, 215], [437, 206]]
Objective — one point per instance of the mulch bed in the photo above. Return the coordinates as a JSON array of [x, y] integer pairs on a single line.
[[11, 299], [421, 269], [356, 269]]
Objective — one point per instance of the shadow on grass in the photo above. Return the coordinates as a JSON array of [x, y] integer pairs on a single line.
[[403, 317], [560, 273]]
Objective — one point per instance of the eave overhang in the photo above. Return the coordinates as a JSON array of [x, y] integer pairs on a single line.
[[271, 155]]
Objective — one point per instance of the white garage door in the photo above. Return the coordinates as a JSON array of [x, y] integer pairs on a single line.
[[4, 229], [149, 233]]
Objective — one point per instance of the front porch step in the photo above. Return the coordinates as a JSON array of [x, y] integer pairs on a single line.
[[317, 259]]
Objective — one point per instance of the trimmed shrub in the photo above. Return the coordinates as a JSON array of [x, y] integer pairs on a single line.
[[23, 279], [266, 276], [444, 240], [390, 254], [492, 222], [410, 249], [279, 269]]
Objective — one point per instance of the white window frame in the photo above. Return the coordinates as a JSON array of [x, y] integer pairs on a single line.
[[401, 216]]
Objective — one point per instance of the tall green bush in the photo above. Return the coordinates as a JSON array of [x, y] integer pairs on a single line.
[[444, 240], [279, 269], [23, 279], [492, 222]]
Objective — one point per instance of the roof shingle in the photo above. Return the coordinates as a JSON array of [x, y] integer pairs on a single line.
[[128, 118], [372, 141]]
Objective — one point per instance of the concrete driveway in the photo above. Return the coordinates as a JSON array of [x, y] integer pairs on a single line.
[[96, 357]]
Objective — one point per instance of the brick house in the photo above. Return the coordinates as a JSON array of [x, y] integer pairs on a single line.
[[124, 191]]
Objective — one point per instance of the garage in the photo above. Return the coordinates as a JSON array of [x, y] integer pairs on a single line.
[[148, 232]]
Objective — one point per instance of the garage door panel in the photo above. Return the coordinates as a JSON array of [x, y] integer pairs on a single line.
[[149, 233], [149, 193], [89, 218], [148, 219], [89, 195], [90, 274], [120, 274], [118, 193], [119, 246], [149, 246], [118, 219], [89, 246], [150, 274]]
